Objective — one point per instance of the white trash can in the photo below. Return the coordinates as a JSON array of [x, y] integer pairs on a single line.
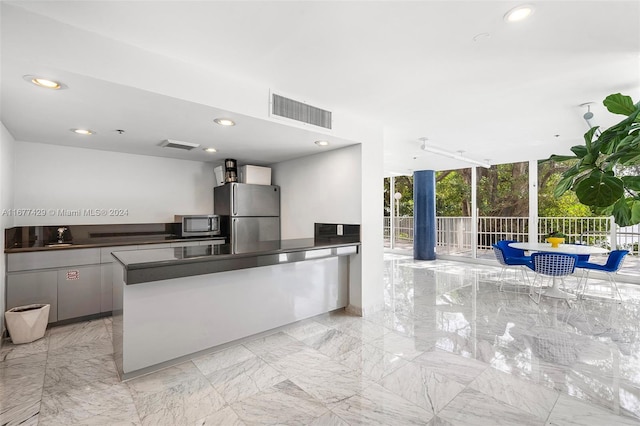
[[27, 323]]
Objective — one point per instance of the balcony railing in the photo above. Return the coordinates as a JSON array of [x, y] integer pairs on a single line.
[[454, 234]]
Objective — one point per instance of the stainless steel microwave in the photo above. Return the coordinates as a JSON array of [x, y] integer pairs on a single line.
[[207, 225]]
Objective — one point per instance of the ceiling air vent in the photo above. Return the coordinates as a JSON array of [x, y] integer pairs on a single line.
[[299, 111], [171, 143]]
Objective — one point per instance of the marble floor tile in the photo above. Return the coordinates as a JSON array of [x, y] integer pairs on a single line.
[[274, 346], [210, 363], [422, 386], [331, 388], [304, 329], [101, 404], [333, 343], [21, 383], [365, 331], [438, 421], [24, 413], [84, 375], [306, 360], [462, 370], [390, 319], [64, 335], [84, 350], [405, 347], [80, 340], [184, 403], [10, 351], [377, 406], [532, 398], [244, 379], [568, 412], [471, 407], [224, 417], [328, 419], [371, 361], [282, 404]]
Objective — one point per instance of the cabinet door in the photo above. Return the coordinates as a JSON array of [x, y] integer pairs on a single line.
[[78, 291], [34, 287]]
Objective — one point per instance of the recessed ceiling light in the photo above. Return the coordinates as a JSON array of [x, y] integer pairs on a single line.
[[83, 131], [210, 150], [322, 143], [518, 13], [225, 121], [44, 82]]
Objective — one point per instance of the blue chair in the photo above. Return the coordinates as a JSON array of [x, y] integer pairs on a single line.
[[553, 265], [513, 254], [613, 265], [518, 261]]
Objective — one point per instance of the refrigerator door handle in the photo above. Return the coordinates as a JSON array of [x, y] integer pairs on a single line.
[[234, 238], [235, 199]]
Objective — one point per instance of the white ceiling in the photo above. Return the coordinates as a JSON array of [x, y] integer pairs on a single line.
[[413, 68]]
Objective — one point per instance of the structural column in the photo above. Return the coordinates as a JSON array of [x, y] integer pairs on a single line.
[[424, 215]]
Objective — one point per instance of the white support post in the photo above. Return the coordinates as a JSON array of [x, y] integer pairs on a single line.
[[392, 208], [474, 212], [533, 201], [613, 233]]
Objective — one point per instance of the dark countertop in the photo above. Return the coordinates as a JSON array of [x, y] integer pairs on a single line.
[[175, 262], [22, 239], [109, 243]]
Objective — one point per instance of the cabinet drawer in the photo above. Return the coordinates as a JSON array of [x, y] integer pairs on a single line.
[[52, 259]]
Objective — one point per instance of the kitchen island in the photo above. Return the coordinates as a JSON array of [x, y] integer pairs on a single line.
[[173, 304]]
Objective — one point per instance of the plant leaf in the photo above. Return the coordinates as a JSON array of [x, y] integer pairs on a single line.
[[563, 186], [635, 211], [619, 104], [558, 158], [579, 150], [599, 189], [631, 182], [588, 137], [622, 213]]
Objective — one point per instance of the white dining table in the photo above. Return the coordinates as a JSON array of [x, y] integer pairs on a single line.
[[554, 291], [562, 248]]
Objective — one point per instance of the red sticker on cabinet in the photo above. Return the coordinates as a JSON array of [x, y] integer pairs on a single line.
[[73, 275]]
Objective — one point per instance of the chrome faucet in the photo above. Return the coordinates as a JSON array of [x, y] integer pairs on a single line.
[[61, 234]]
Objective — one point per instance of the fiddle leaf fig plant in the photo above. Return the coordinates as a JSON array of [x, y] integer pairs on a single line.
[[600, 177]]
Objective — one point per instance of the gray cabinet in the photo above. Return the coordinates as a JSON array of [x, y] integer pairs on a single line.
[[78, 291], [25, 288], [52, 259]]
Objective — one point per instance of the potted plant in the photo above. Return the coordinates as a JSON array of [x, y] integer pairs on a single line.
[[555, 238], [602, 178]]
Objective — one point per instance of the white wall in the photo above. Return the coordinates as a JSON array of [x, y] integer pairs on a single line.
[[150, 189], [6, 202], [320, 188]]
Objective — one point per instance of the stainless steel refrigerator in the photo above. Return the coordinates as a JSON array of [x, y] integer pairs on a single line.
[[253, 210]]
